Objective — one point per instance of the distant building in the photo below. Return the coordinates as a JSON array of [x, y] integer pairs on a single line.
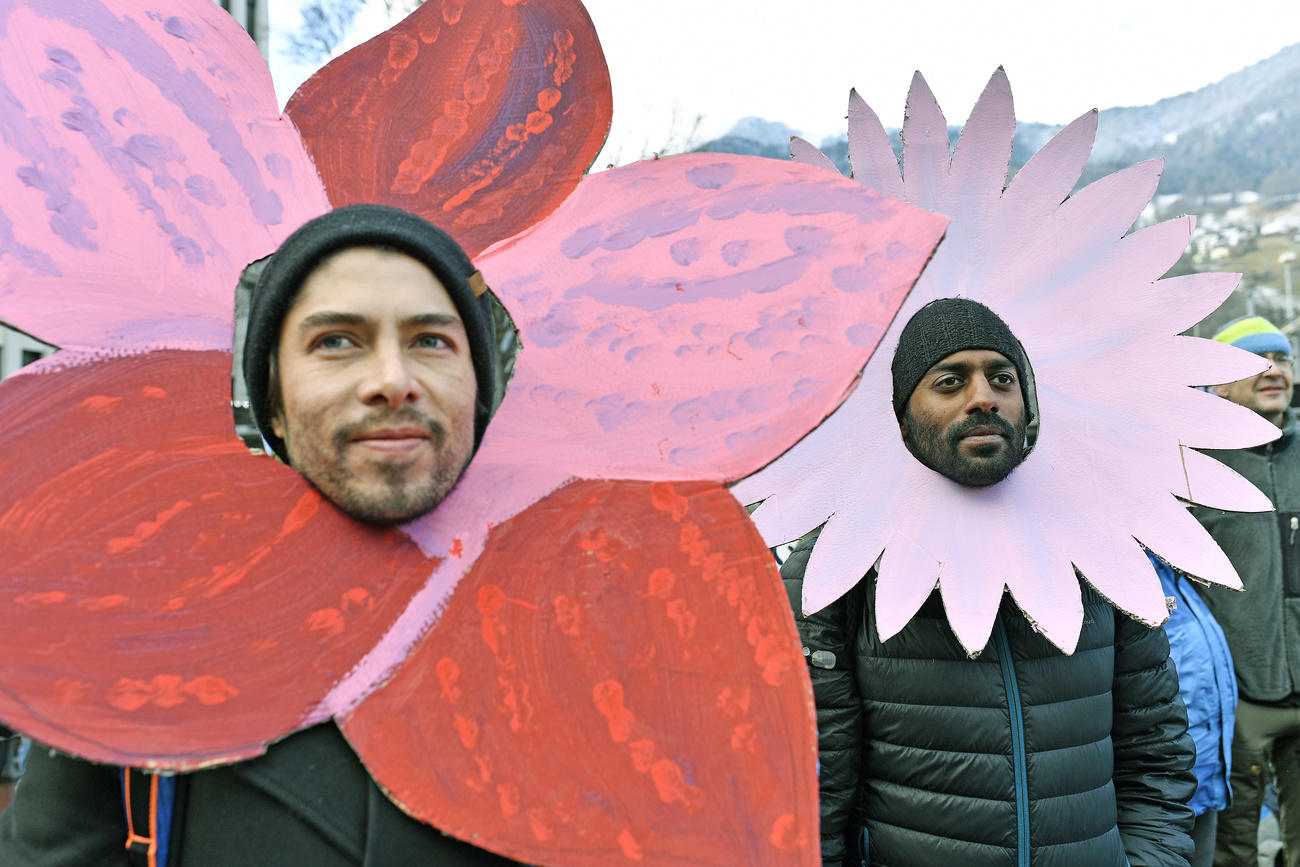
[[252, 16], [19, 350]]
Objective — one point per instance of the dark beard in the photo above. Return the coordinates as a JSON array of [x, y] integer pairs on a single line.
[[395, 502], [941, 451]]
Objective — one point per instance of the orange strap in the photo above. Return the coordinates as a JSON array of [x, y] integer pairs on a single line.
[[135, 843]]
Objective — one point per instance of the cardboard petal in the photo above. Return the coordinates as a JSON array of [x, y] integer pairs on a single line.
[[618, 679], [1176, 537], [1052, 172], [874, 163], [983, 151], [481, 117], [804, 152], [1210, 483], [1119, 571], [693, 317], [143, 163], [926, 151], [169, 600]]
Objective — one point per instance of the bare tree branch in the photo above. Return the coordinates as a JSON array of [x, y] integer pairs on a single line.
[[324, 24]]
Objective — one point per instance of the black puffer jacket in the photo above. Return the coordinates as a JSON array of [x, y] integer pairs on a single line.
[[1020, 756]]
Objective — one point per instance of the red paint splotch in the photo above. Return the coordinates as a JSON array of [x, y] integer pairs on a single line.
[[619, 700]]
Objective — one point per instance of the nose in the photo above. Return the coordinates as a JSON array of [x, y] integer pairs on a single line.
[[389, 379], [981, 397]]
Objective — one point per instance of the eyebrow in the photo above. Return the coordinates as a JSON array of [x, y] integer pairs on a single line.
[[963, 367], [335, 318]]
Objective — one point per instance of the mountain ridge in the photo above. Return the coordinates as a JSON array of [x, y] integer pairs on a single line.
[[1239, 133]]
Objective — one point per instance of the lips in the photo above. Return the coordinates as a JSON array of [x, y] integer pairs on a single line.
[[984, 430], [393, 442], [398, 433]]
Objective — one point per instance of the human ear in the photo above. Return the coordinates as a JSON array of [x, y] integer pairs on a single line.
[[1220, 390]]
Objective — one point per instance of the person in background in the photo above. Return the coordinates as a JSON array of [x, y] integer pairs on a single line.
[[1208, 687], [1262, 624]]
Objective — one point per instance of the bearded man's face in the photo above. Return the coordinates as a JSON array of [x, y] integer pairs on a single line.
[[966, 418]]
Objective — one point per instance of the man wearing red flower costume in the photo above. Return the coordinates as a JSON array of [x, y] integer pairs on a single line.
[[369, 363]]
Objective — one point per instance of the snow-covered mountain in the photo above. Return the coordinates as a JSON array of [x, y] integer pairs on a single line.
[[1240, 133]]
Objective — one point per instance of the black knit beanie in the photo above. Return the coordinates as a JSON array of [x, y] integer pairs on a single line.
[[943, 327], [363, 226]]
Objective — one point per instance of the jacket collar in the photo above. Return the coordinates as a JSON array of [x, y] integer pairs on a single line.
[[1288, 434]]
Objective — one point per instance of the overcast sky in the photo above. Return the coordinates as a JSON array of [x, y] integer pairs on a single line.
[[672, 61]]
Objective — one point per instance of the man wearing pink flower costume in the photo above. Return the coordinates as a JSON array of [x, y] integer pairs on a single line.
[[1019, 755], [369, 362]]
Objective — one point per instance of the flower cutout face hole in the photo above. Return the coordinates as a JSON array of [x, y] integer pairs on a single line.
[[240, 406]]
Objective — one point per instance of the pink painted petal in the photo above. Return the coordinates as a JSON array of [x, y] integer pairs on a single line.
[[1051, 600], [849, 545], [143, 163], [983, 152], [804, 152], [618, 679], [1189, 298], [168, 599], [1127, 585], [1107, 207], [1201, 359], [1225, 425], [1177, 538], [870, 153], [481, 117], [1049, 176], [693, 317], [908, 575], [1210, 483], [926, 152]]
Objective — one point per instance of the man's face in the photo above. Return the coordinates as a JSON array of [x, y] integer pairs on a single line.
[[377, 385], [1269, 393], [966, 418]]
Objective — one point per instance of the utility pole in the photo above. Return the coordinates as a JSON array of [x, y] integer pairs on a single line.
[[1285, 260], [252, 16]]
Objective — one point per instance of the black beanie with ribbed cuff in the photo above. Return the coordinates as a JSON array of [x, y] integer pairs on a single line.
[[945, 326], [363, 226]]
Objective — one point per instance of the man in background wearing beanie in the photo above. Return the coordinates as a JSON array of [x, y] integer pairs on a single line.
[[1262, 623], [369, 363], [1021, 754]]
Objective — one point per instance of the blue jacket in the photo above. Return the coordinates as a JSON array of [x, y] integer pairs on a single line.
[[1206, 684]]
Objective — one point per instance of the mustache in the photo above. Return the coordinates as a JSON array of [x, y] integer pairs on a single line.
[[982, 419], [405, 417]]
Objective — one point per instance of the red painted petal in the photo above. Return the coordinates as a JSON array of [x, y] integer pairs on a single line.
[[168, 599], [617, 679], [481, 117]]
